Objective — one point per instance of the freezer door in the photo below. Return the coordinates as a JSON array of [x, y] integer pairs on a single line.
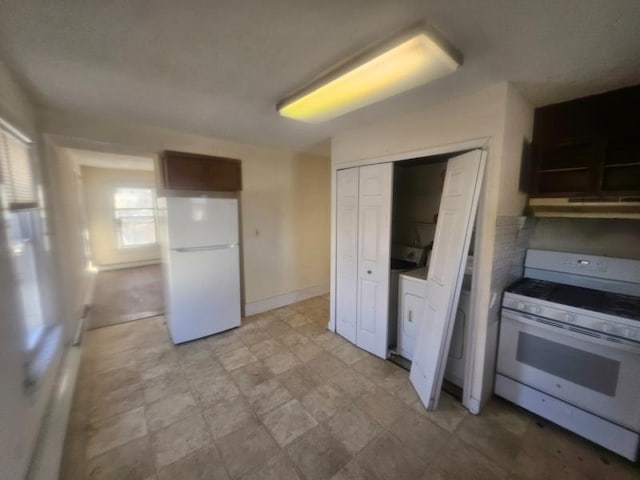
[[201, 222], [204, 292]]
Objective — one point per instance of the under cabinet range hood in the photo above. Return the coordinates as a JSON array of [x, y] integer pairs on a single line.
[[618, 207]]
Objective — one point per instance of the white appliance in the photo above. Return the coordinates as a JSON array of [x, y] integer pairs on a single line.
[[570, 346], [411, 294], [200, 252], [403, 259]]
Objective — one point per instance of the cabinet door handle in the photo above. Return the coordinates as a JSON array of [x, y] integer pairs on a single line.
[[411, 316], [369, 272]]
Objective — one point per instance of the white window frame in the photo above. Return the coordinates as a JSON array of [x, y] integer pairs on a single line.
[[118, 220]]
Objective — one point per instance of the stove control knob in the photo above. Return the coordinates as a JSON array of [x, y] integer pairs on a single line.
[[520, 306], [569, 317]]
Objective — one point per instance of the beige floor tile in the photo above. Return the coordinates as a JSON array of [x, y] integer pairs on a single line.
[[353, 428], [116, 401], [246, 449], [460, 461], [300, 380], [492, 439], [266, 348], [236, 359], [329, 340], [111, 380], [352, 383], [326, 365], [449, 414], [251, 337], [348, 353], [374, 368], [164, 386], [278, 468], [204, 464], [169, 410], [179, 439], [250, 376], [352, 471], [317, 454], [115, 431], [306, 351], [324, 401], [383, 407], [267, 396], [131, 461], [386, 458], [281, 362], [209, 391], [278, 329], [296, 320], [226, 342], [288, 422], [362, 403], [421, 436], [229, 416]]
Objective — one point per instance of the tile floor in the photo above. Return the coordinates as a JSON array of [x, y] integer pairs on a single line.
[[283, 398]]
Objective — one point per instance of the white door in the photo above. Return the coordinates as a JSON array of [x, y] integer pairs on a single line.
[[347, 252], [446, 270], [374, 238]]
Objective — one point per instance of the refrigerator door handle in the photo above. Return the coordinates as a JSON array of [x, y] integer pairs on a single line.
[[204, 249]]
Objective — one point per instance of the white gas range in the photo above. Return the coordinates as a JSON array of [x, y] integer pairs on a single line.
[[570, 346]]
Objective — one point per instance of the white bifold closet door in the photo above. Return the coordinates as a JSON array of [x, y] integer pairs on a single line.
[[457, 212], [347, 252], [374, 245]]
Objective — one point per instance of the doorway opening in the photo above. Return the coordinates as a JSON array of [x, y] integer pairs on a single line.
[[117, 210]]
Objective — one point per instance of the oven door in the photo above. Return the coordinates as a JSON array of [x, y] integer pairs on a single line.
[[598, 375]]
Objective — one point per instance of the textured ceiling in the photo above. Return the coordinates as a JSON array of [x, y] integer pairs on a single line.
[[219, 67]]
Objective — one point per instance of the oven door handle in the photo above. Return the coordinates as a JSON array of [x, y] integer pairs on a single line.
[[569, 331]]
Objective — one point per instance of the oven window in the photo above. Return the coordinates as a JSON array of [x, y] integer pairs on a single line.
[[578, 366]]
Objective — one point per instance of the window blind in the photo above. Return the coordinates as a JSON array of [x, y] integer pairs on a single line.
[[16, 174]]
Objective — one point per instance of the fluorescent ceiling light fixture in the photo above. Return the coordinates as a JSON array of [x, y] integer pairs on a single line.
[[410, 60]]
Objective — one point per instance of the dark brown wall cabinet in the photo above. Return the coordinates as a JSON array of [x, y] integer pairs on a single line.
[[588, 148], [193, 172]]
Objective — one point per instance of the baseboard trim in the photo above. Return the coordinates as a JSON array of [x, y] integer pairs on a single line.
[[278, 301], [45, 463], [122, 266]]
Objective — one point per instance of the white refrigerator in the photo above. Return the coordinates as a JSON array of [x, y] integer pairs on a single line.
[[201, 265]]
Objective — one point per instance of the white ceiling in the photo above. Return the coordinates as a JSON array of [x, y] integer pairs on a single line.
[[219, 67]]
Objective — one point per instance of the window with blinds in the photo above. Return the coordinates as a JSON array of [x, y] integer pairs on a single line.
[[16, 174]]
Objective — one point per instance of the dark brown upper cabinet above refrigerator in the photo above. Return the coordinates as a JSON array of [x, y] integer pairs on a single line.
[[190, 172], [588, 148]]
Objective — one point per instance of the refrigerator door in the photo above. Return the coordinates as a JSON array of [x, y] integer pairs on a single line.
[[202, 222], [204, 292]]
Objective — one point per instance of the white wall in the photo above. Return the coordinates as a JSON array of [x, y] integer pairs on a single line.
[[481, 115], [21, 410], [99, 186], [285, 199]]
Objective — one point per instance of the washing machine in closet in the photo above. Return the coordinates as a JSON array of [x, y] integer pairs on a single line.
[[411, 288]]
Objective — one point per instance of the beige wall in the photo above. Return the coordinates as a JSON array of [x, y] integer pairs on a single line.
[[99, 186], [486, 114], [285, 198]]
